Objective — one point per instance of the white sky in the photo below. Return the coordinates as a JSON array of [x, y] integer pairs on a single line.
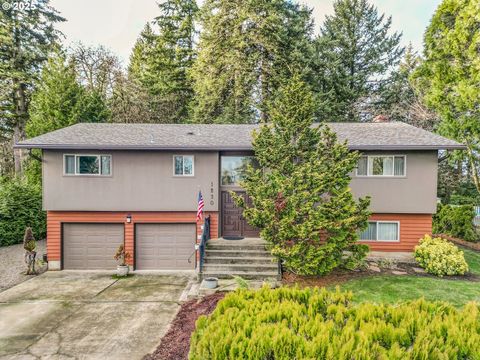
[[117, 23]]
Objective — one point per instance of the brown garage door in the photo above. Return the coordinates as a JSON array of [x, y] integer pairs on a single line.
[[91, 246], [164, 246]]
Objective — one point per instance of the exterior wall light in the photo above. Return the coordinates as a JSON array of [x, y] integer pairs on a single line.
[[129, 219]]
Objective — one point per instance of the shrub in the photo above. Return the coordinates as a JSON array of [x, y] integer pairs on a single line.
[[20, 207], [312, 323], [440, 257], [456, 221]]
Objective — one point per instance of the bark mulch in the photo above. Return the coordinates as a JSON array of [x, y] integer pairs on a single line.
[[334, 278], [175, 345]]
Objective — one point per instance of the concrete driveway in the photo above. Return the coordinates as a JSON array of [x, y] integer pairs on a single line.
[[78, 315]]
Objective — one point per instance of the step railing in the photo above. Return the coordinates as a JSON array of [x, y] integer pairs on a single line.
[[203, 242]]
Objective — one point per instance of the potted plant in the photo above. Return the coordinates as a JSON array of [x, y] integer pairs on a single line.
[[122, 256]]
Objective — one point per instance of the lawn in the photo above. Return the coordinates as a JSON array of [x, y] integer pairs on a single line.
[[391, 289]]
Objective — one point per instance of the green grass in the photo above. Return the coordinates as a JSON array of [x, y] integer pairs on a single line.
[[473, 260], [392, 289]]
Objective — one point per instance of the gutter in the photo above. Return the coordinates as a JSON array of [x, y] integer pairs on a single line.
[[219, 148]]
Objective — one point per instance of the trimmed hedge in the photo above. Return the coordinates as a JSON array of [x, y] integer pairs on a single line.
[[440, 257], [313, 323], [20, 207], [456, 221]]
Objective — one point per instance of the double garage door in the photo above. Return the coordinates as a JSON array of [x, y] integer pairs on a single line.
[[157, 246]]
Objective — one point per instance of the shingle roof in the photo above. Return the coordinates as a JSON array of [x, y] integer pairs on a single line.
[[360, 136]]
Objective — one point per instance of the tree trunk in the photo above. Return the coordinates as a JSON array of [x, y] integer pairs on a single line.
[[474, 167], [19, 126]]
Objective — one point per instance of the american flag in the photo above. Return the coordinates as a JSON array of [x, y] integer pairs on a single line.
[[201, 204]]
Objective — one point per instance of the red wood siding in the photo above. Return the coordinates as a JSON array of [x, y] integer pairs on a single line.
[[56, 218], [412, 228]]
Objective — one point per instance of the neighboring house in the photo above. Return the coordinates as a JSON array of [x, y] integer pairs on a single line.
[[137, 184]]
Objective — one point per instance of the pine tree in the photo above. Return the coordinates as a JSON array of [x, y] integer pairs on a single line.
[[246, 49], [354, 54], [26, 39], [61, 101], [449, 76], [161, 61], [300, 192]]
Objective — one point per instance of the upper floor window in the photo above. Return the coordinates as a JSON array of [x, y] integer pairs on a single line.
[[381, 231], [381, 165], [183, 165], [87, 165], [232, 169]]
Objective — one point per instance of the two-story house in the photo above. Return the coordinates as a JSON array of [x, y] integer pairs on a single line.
[[137, 184]]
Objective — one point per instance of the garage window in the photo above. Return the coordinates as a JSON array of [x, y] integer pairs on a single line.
[[100, 165]]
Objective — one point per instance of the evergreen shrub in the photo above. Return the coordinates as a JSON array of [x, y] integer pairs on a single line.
[[456, 221], [20, 207], [313, 323], [440, 257]]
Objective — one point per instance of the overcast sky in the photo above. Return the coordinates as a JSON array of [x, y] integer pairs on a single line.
[[117, 23]]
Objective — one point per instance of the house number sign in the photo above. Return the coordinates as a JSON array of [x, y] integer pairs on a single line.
[[212, 192]]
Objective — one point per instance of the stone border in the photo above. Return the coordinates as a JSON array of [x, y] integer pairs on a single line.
[[468, 244]]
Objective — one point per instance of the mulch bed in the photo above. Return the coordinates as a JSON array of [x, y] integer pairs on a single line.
[[175, 345]]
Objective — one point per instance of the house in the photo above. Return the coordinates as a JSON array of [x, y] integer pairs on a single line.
[[137, 184]]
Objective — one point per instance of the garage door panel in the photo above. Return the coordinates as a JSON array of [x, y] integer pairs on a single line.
[[165, 246], [91, 246]]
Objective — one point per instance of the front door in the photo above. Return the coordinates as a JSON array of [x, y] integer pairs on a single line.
[[233, 222]]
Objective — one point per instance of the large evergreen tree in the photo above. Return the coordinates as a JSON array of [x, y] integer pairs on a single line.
[[26, 38], [300, 193], [160, 61], [60, 100], [246, 49], [450, 75], [354, 54]]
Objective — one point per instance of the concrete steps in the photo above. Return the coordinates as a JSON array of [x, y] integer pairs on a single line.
[[246, 258], [239, 260]]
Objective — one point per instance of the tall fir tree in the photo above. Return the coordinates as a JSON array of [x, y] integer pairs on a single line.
[[449, 76], [246, 49], [354, 54], [60, 101], [300, 194], [26, 39], [161, 59]]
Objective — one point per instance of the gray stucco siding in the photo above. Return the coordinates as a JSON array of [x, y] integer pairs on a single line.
[[140, 181], [415, 193], [144, 181]]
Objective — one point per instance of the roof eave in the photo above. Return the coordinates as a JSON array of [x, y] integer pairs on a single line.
[[221, 148]]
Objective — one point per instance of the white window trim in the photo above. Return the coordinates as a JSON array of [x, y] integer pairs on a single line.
[[193, 166], [99, 167], [385, 222], [384, 176]]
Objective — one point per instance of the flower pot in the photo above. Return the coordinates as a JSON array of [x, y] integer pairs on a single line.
[[122, 270], [210, 283]]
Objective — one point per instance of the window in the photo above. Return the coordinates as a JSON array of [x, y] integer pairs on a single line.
[[381, 231], [233, 169], [183, 165], [381, 165], [88, 165]]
